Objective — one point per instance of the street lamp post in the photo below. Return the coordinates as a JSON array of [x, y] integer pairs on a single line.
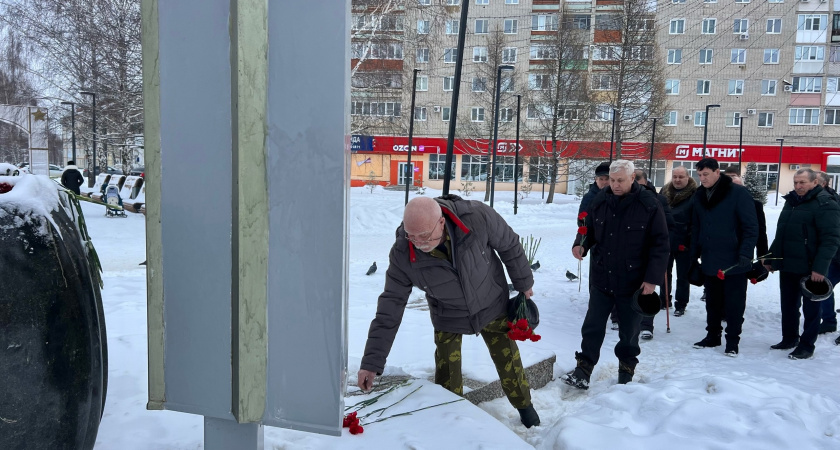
[[779, 173], [72, 126], [456, 89], [652, 140], [516, 160], [496, 127], [92, 172], [409, 171], [706, 126], [740, 143]]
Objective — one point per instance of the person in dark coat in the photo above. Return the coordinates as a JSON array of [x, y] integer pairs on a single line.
[[762, 245], [807, 238], [647, 322], [71, 178], [628, 237], [680, 195], [724, 231], [456, 251], [602, 179], [828, 315]]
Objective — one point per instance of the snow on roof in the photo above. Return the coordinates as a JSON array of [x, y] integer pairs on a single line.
[[30, 195]]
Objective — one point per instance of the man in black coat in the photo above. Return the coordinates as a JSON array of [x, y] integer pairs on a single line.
[[602, 179], [680, 195], [628, 236], [828, 316], [71, 178], [724, 231]]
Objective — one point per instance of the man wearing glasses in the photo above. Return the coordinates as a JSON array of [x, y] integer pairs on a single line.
[[456, 251]]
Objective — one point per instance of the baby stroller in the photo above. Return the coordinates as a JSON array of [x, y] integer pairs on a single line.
[[112, 198]]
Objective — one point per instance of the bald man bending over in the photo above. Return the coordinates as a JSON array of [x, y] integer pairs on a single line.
[[453, 249]]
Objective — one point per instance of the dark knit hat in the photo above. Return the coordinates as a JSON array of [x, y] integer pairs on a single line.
[[603, 169]]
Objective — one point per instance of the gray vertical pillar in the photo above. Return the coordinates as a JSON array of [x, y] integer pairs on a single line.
[[248, 172], [308, 157]]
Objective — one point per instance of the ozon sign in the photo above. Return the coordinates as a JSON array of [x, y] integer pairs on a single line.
[[686, 151]]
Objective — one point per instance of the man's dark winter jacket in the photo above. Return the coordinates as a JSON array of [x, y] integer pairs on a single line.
[[682, 205], [587, 198], [669, 217], [628, 237], [72, 179], [807, 236], [724, 227], [761, 245], [463, 295]]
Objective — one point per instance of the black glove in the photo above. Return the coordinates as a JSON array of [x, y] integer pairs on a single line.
[[745, 263]]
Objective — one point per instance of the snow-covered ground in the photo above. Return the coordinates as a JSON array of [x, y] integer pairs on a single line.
[[680, 398]]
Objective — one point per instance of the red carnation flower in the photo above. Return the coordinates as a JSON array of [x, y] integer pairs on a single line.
[[582, 215], [535, 337], [681, 248], [721, 274], [522, 324], [511, 325], [582, 230], [357, 429], [753, 280], [5, 187]]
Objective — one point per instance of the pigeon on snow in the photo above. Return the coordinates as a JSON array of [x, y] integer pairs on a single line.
[[571, 276], [372, 269]]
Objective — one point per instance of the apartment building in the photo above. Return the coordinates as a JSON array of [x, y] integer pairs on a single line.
[[766, 63]]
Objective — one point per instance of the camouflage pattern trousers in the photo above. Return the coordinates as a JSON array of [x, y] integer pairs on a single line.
[[503, 351]]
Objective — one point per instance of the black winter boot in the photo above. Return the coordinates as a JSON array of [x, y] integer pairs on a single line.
[[785, 344], [579, 377], [801, 353], [625, 373], [708, 342], [529, 416]]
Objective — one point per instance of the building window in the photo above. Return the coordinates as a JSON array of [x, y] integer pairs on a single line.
[[608, 22], [832, 117], [672, 87], [733, 119], [544, 22], [581, 21], [538, 111], [507, 83], [807, 85], [811, 22], [741, 26], [678, 2], [768, 87], [771, 56], [452, 26], [709, 1], [538, 82], [706, 56], [450, 55], [768, 173], [809, 53], [603, 113], [424, 2], [542, 52], [606, 53], [774, 26], [477, 114], [482, 26], [602, 82], [480, 54], [473, 168], [448, 83], [736, 87], [506, 114], [704, 87], [670, 119], [699, 118], [539, 168], [504, 169], [392, 50], [804, 116], [674, 56], [738, 56], [391, 109], [422, 55], [437, 167], [509, 55], [775, 1], [445, 112], [479, 84], [765, 120], [482, 2], [676, 26], [831, 84], [511, 26], [709, 26], [742, 1], [453, 2], [511, 2], [423, 26], [419, 113], [422, 83]]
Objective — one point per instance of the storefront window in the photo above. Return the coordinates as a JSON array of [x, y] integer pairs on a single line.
[[473, 168], [769, 174], [655, 176], [539, 169], [437, 166], [504, 169]]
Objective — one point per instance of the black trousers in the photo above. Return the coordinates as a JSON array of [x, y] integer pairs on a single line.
[[594, 327], [683, 261], [791, 300], [726, 298]]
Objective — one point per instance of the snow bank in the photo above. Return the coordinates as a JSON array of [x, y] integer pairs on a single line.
[[31, 196]]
